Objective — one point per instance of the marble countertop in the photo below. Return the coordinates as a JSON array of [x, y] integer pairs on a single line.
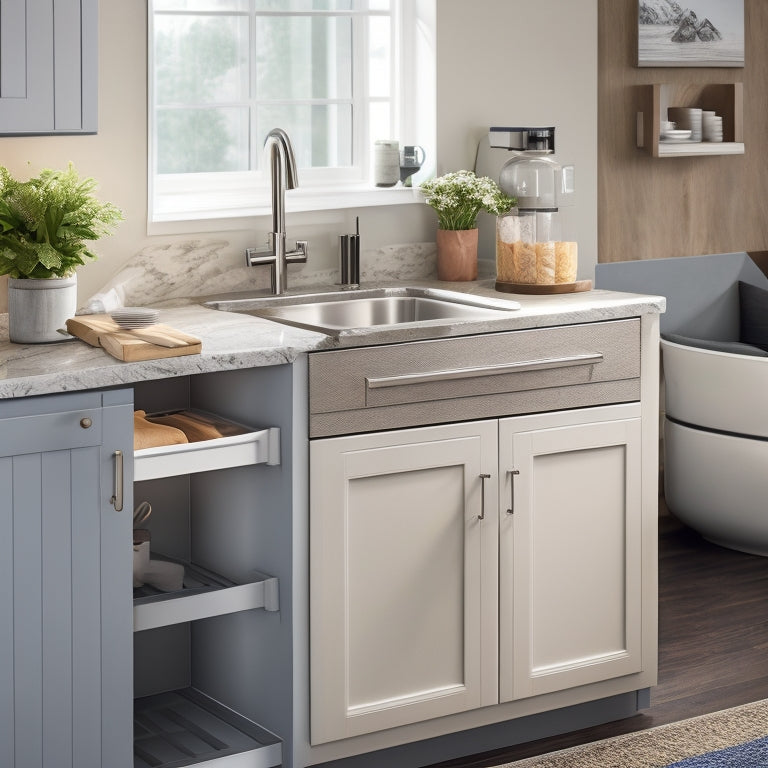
[[232, 340]]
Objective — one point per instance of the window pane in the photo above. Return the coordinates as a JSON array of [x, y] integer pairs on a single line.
[[201, 5], [380, 58], [201, 59], [305, 5], [198, 140], [320, 64], [321, 135], [379, 5], [379, 116]]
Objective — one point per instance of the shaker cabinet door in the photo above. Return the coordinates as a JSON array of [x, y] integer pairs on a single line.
[[403, 579], [65, 575], [570, 557], [48, 66]]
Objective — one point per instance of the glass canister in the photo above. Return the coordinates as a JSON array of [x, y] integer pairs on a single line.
[[530, 249], [556, 258], [516, 247]]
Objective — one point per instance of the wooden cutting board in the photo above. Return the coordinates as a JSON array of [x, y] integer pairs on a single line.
[[150, 343]]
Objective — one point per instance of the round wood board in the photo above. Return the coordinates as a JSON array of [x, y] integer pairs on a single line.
[[577, 287]]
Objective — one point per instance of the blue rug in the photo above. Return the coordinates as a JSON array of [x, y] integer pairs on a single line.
[[753, 754]]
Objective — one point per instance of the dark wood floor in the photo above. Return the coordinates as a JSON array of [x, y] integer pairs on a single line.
[[713, 642]]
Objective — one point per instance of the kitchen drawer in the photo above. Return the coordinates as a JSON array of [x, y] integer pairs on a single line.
[[470, 377], [51, 431]]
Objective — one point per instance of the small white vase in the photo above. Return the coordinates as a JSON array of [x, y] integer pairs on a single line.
[[38, 308]]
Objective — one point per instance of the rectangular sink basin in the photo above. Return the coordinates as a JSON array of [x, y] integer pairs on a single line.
[[336, 312]]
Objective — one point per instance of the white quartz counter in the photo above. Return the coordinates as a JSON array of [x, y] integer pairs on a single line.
[[231, 341]]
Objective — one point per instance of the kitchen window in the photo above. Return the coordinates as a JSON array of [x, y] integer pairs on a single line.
[[335, 74]]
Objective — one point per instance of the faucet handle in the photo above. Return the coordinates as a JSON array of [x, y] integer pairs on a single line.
[[256, 257], [299, 255]]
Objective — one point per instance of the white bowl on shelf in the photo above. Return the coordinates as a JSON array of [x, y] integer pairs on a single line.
[[676, 135]]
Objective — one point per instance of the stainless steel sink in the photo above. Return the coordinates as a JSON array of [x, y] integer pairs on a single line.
[[333, 313]]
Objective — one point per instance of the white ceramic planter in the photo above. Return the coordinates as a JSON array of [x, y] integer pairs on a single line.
[[37, 308]]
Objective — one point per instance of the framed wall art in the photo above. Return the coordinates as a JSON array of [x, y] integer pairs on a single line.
[[701, 33]]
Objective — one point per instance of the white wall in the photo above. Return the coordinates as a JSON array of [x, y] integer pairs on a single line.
[[499, 61], [511, 62]]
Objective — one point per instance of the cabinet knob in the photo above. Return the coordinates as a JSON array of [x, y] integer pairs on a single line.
[[85, 422]]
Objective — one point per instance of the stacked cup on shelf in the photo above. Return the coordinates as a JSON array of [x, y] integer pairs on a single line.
[[687, 118], [712, 126]]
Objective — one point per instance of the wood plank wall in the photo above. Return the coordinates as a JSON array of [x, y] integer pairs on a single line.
[[660, 207]]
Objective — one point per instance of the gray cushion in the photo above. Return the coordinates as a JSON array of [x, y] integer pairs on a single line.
[[734, 347], [753, 315]]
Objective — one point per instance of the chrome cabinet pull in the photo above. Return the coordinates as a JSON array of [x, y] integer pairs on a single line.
[[512, 473], [117, 499], [483, 478], [404, 379]]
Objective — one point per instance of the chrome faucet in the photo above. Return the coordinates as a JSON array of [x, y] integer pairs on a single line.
[[282, 165]]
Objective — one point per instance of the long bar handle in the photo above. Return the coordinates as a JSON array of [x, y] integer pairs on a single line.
[[512, 473], [483, 478], [404, 379], [117, 499]]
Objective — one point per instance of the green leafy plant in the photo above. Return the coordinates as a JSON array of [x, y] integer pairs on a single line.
[[47, 221], [458, 197]]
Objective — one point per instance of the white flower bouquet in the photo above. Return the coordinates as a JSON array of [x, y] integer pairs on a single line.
[[458, 198]]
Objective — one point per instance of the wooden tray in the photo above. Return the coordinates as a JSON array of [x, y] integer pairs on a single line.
[[150, 343], [577, 287]]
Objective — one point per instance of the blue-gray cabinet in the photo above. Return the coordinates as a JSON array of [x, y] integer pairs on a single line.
[[65, 574], [48, 66]]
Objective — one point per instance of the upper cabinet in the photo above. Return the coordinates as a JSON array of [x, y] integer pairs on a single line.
[[724, 99], [48, 66]]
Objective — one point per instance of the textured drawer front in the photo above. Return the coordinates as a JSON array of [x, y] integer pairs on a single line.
[[50, 432], [427, 382]]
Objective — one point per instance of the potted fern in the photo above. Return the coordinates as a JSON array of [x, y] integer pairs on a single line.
[[45, 226]]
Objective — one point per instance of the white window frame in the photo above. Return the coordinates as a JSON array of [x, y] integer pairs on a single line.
[[222, 201]]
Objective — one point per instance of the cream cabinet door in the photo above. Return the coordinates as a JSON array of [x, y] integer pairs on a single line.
[[570, 557], [403, 577]]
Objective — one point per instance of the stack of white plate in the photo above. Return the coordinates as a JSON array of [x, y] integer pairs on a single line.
[[712, 127], [687, 118], [134, 317]]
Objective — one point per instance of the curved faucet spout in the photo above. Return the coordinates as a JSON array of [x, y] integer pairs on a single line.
[[282, 165], [279, 139]]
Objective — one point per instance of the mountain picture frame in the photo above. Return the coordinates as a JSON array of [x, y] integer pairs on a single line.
[[702, 33]]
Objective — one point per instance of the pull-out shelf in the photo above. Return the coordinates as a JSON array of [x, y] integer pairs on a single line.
[[205, 594], [257, 447], [186, 727]]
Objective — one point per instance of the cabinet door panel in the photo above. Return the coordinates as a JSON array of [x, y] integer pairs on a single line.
[[26, 66], [570, 557], [6, 625], [65, 605], [399, 563], [48, 66]]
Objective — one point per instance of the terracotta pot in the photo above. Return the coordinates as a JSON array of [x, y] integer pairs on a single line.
[[457, 254]]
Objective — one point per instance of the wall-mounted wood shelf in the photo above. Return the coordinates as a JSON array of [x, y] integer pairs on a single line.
[[726, 99]]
